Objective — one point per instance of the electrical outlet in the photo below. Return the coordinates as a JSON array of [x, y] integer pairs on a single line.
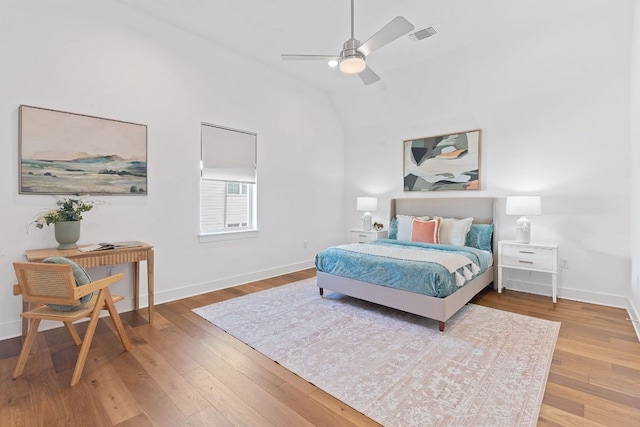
[[564, 263], [304, 244]]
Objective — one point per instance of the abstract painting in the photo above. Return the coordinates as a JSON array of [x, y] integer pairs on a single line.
[[67, 153], [443, 162]]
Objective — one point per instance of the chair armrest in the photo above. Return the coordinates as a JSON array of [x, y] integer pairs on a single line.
[[17, 290], [91, 287]]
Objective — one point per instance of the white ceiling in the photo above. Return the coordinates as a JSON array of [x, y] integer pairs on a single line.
[[264, 29]]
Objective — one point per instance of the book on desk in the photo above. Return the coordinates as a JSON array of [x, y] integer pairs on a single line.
[[107, 246]]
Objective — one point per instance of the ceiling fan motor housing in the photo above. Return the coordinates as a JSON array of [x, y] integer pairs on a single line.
[[351, 60]]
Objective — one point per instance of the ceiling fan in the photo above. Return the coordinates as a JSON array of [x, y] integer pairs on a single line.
[[352, 57]]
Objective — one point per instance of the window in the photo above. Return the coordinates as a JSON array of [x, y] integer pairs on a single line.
[[228, 180], [236, 188]]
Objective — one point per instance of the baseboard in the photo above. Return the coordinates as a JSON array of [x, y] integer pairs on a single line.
[[634, 315], [14, 329], [227, 282], [567, 293]]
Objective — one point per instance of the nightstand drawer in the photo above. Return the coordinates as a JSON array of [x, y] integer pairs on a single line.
[[362, 236], [527, 257]]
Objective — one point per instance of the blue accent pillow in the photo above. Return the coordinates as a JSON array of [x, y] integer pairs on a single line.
[[82, 278], [479, 236], [393, 229]]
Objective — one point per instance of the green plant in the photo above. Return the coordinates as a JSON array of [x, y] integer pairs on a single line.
[[378, 226], [69, 209]]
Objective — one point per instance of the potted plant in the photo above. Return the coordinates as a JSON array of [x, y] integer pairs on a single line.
[[66, 219]]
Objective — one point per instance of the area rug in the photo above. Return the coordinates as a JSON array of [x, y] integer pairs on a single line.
[[489, 368]]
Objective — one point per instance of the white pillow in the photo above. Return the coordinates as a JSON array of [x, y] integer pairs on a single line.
[[454, 231], [405, 226]]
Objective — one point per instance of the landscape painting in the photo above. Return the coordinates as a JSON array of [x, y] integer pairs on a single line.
[[443, 162], [67, 153]]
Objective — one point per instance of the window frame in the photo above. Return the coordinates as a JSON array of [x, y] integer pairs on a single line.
[[244, 188]]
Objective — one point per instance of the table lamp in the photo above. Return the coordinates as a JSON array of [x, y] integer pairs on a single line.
[[523, 205], [366, 204]]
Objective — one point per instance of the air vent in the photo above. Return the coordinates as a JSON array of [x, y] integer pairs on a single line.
[[423, 33]]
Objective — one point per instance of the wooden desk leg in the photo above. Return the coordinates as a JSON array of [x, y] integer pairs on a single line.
[[150, 283], [136, 285]]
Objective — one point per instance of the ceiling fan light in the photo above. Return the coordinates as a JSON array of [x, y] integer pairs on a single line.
[[352, 65], [333, 63]]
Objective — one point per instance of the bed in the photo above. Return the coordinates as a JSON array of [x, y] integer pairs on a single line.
[[433, 307]]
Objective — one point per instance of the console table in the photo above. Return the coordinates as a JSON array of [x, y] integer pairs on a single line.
[[128, 255]]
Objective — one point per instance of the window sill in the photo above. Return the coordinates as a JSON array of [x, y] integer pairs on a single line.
[[228, 235]]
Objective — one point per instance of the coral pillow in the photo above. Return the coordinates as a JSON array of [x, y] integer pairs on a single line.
[[426, 231], [405, 225]]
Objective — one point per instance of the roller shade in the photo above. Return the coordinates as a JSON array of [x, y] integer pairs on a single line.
[[228, 155]]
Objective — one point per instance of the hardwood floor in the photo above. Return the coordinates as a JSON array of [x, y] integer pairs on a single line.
[[182, 370]]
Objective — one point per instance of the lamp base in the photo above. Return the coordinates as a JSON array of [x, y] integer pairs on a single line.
[[523, 230], [366, 221]]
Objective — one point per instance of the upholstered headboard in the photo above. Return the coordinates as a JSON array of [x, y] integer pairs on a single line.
[[482, 210]]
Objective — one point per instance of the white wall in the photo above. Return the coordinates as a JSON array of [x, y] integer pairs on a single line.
[[634, 300], [554, 107], [102, 59]]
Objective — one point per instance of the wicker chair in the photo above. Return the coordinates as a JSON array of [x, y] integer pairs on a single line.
[[43, 283]]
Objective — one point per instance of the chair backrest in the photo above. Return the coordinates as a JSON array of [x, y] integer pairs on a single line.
[[46, 283]]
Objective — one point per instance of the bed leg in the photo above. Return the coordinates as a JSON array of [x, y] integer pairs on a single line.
[[321, 291], [441, 326]]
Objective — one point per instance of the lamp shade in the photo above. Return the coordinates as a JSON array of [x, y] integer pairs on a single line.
[[524, 205], [367, 204]]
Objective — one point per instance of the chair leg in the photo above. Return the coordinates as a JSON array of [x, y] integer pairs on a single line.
[[115, 316], [88, 337], [26, 306], [26, 347], [74, 334]]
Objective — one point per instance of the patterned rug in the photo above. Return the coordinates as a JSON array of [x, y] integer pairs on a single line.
[[489, 368]]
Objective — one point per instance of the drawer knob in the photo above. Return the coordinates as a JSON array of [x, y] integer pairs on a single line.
[[525, 262], [527, 252]]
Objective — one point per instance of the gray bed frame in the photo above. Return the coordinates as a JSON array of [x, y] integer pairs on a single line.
[[440, 309]]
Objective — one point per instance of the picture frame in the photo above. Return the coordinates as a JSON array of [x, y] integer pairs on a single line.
[[69, 153], [443, 162]]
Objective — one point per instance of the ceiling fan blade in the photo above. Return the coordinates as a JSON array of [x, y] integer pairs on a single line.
[[368, 76], [397, 28], [295, 57]]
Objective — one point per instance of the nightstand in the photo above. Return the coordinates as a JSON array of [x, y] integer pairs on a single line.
[[358, 235], [542, 257]]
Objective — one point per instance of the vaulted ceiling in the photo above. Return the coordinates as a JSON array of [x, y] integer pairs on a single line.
[[263, 30]]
